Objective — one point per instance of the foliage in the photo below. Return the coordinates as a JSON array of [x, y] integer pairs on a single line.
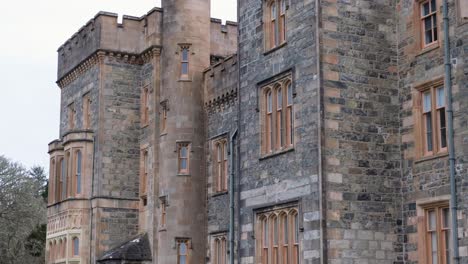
[[22, 213]]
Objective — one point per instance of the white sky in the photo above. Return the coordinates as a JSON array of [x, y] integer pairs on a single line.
[[31, 33]]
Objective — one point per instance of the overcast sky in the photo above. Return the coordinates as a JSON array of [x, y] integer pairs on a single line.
[[31, 32]]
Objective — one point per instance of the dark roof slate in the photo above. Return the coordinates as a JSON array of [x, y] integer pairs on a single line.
[[136, 249]]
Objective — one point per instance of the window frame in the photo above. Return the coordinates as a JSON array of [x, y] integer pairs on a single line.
[[78, 171], [163, 204], [184, 61], [145, 109], [421, 120], [273, 245], [75, 248], [219, 245], [424, 232], [275, 23], [419, 26], [277, 125], [144, 171], [180, 170], [220, 165], [71, 116], [187, 243], [163, 117]]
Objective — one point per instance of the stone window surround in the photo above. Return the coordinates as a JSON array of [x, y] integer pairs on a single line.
[[419, 124], [421, 207], [145, 105], [179, 145], [163, 116], [419, 27], [144, 170], [222, 164], [71, 116], [188, 242], [287, 209], [274, 34], [220, 240], [280, 80], [163, 204], [87, 110], [184, 46]]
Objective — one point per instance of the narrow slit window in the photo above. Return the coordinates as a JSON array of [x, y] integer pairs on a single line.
[[76, 246], [289, 115], [78, 171], [185, 62], [269, 121], [183, 158], [182, 252]]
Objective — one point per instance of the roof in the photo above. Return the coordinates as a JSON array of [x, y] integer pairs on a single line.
[[136, 249]]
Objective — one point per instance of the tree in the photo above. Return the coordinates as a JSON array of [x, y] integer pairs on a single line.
[[22, 212]]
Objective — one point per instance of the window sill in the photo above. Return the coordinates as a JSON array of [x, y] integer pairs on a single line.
[[144, 125], [275, 48], [183, 174], [428, 49], [433, 157], [163, 134], [219, 194], [276, 153], [184, 80], [162, 229]]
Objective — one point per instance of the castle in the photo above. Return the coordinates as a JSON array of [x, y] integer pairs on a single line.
[[311, 131]]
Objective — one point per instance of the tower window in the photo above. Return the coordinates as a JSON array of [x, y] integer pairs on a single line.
[[184, 66], [78, 167], [183, 150], [144, 173], [86, 111], [145, 100], [76, 247], [183, 248], [71, 116]]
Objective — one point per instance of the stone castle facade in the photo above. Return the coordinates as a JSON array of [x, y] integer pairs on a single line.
[[311, 131]]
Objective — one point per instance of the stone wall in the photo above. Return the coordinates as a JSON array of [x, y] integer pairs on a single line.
[[426, 179], [361, 124], [290, 176], [221, 114]]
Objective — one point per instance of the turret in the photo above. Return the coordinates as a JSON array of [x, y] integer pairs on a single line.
[[185, 54]]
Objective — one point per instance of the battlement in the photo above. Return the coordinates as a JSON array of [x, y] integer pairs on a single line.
[[223, 37], [103, 32], [221, 83]]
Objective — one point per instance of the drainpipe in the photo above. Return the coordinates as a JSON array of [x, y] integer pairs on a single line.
[[451, 145], [231, 197]]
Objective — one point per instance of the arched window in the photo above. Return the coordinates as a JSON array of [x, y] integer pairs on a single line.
[[269, 121], [52, 181], [59, 249], [279, 118], [295, 236], [273, 24], [182, 252], [64, 248], [289, 115], [265, 241], [54, 250], [78, 171], [76, 247], [274, 239], [49, 255], [63, 180], [279, 234], [282, 22], [219, 166], [277, 128], [225, 165]]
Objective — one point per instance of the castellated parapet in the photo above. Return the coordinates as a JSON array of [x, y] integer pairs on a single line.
[[133, 36]]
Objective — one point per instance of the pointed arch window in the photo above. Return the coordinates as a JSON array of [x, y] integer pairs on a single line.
[[183, 150], [184, 64], [277, 127], [278, 235], [183, 250], [220, 249], [221, 177], [275, 28]]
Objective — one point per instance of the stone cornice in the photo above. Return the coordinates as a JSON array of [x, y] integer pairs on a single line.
[[99, 55]]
